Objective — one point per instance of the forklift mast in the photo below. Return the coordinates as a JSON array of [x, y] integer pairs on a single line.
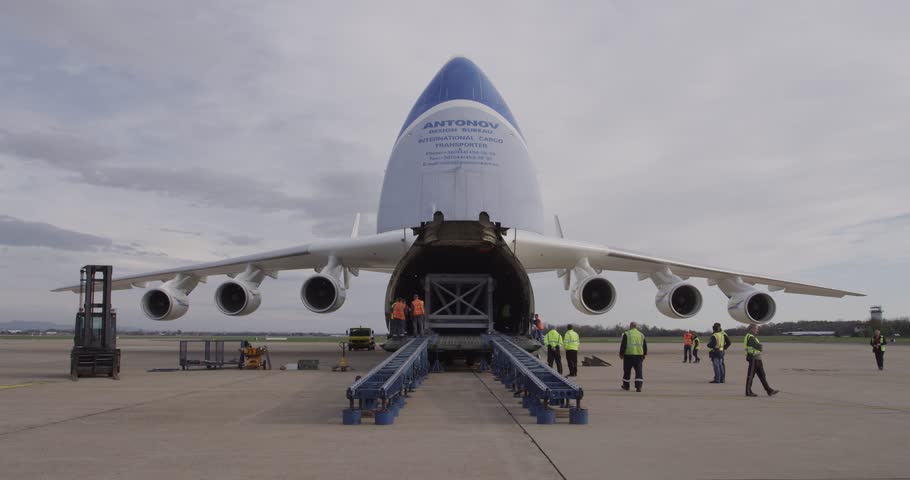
[[96, 320], [95, 350]]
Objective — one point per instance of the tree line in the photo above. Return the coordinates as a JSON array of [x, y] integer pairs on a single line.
[[841, 328]]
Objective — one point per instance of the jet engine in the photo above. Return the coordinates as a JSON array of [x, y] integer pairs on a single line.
[[752, 307], [322, 293], [747, 304], [164, 303], [593, 295], [237, 297], [678, 300], [675, 298]]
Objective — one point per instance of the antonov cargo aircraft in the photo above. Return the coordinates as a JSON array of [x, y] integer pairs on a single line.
[[461, 223]]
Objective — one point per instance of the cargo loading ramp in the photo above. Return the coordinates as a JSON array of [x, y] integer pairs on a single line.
[[539, 385], [385, 386]]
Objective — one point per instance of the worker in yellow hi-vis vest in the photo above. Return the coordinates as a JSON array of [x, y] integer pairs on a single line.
[[553, 341], [878, 348], [756, 365], [571, 342], [718, 344], [632, 351]]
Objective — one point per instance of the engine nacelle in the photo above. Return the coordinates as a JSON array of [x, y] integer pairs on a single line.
[[679, 300], [322, 294], [593, 295], [752, 307], [237, 298], [164, 303]]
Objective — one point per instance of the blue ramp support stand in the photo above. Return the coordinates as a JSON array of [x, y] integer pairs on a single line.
[[539, 385], [386, 385]]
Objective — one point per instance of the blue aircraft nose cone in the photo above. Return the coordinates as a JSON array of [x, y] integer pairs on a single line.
[[460, 79]]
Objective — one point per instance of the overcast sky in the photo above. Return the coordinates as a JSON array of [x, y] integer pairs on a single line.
[[768, 137]]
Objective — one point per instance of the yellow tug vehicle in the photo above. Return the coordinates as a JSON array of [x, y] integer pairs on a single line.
[[255, 358], [361, 338]]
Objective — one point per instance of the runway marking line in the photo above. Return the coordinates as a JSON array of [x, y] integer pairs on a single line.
[[522, 427], [21, 385]]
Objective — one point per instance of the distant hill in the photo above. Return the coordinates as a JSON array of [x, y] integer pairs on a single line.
[[26, 325]]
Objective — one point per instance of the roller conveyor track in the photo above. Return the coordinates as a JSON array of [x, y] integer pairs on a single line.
[[398, 374], [384, 388], [524, 373]]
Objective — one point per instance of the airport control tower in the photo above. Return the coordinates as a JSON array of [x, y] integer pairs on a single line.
[[875, 316], [876, 313]]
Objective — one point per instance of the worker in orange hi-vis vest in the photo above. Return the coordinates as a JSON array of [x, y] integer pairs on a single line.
[[418, 315], [398, 318], [537, 328], [687, 347]]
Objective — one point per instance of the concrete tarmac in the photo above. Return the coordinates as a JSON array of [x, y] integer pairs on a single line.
[[838, 417]]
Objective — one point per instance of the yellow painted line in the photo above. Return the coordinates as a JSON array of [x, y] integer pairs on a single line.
[[7, 387]]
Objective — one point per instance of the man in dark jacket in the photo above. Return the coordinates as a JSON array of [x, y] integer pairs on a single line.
[[718, 344], [756, 366], [878, 348], [632, 351]]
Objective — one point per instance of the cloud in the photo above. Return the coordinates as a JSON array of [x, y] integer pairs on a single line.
[[332, 228], [240, 239], [334, 192], [83, 159], [20, 233], [207, 187], [888, 221], [15, 232], [181, 232], [57, 149]]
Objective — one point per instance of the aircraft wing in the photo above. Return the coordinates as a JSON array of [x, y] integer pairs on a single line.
[[374, 252], [541, 253]]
